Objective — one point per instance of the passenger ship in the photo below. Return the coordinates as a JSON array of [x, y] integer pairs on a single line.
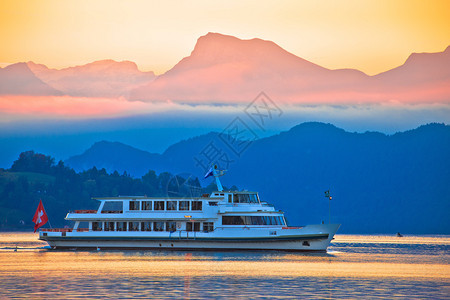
[[218, 221]]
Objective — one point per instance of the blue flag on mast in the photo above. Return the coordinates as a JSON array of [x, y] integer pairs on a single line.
[[210, 173]]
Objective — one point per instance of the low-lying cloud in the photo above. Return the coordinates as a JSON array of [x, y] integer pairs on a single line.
[[385, 117]]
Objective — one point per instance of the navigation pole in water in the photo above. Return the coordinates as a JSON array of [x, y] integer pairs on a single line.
[[327, 195]]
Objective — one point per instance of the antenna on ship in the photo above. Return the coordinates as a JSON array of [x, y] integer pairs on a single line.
[[214, 171]]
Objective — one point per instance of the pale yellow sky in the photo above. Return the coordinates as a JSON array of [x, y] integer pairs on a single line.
[[372, 36]]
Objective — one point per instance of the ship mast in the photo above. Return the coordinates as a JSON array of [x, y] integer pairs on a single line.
[[217, 173]]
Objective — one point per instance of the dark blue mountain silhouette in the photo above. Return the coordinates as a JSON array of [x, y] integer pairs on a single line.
[[113, 156], [379, 183]]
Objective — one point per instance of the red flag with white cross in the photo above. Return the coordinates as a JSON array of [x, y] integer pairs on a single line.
[[40, 216]]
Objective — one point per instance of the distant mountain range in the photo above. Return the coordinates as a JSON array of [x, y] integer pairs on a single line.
[[106, 78], [18, 79], [225, 69], [379, 183]]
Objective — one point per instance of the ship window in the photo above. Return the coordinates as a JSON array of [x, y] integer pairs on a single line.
[[158, 226], [232, 220], [257, 220], [184, 205], [274, 220], [121, 226], [230, 197], [252, 220], [134, 205], [171, 205], [83, 226], [112, 207], [133, 226], [196, 205], [244, 198], [193, 226], [253, 198], [208, 226], [146, 205], [171, 226], [146, 226], [247, 220], [159, 205], [97, 226], [109, 226]]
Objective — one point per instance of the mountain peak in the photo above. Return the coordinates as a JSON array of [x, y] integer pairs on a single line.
[[102, 78], [429, 58], [103, 65], [108, 64], [216, 45], [104, 145], [19, 79], [315, 127], [118, 66], [430, 70], [226, 68]]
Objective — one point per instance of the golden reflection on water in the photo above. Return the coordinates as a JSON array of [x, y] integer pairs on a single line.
[[352, 257], [385, 239], [278, 264], [142, 265]]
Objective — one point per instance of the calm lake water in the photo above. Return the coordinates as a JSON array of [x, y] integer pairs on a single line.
[[356, 266]]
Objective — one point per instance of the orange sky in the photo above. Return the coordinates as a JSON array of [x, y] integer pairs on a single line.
[[371, 36]]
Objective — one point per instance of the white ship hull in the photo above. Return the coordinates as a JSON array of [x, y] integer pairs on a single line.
[[307, 238]]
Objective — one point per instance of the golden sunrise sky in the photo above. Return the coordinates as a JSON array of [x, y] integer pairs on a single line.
[[372, 36]]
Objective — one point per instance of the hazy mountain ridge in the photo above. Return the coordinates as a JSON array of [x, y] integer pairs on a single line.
[[228, 69], [225, 69], [105, 78], [18, 79], [113, 156], [380, 183]]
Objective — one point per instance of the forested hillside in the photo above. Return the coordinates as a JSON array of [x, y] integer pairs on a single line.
[[35, 176]]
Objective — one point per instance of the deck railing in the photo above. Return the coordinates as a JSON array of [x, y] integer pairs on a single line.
[[85, 211], [56, 229], [63, 229]]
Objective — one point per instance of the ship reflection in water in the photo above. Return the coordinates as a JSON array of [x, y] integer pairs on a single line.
[[354, 267]]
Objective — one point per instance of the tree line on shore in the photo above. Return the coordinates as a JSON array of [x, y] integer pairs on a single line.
[[34, 176]]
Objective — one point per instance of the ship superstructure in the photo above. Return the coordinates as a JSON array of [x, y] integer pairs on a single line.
[[220, 220]]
